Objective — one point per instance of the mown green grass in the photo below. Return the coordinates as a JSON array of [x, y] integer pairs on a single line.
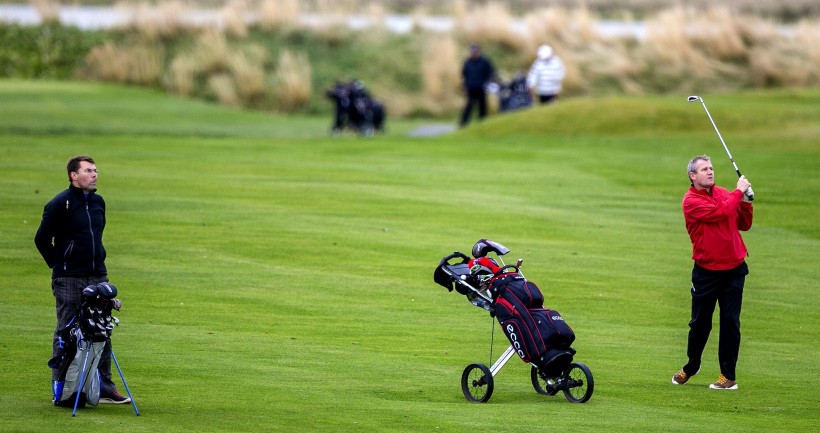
[[278, 279]]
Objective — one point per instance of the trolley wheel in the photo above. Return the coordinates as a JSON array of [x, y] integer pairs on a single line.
[[578, 383], [542, 386], [477, 383]]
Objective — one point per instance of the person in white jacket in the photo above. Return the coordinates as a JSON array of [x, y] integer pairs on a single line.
[[546, 75]]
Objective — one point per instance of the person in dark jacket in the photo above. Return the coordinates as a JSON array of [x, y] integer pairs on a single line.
[[70, 240], [714, 219], [476, 73]]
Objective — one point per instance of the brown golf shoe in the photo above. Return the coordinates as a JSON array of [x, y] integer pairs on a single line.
[[724, 383], [680, 378]]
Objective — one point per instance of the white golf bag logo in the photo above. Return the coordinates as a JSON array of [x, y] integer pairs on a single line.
[[515, 342]]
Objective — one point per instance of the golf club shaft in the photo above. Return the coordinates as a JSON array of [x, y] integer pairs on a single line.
[[749, 193]]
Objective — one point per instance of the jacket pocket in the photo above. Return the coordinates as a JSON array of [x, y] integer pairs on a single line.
[[67, 255]]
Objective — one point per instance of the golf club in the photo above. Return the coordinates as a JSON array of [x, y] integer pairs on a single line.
[[749, 193]]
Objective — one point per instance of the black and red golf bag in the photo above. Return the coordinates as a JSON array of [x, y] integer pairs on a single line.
[[537, 334]]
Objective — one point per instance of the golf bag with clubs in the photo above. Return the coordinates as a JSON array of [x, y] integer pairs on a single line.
[[515, 95], [356, 109], [538, 335], [81, 344]]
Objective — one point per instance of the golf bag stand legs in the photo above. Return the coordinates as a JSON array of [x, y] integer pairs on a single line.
[[82, 383], [127, 391]]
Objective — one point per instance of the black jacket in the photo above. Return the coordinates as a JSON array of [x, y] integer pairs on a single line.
[[477, 72], [70, 234]]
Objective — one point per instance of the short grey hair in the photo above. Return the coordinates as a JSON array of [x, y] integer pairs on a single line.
[[693, 165]]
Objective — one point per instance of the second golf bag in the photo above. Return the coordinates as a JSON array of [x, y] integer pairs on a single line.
[[82, 342], [515, 95], [356, 109]]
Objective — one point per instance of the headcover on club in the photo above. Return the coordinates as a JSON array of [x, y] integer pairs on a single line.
[[485, 246], [101, 290], [482, 271]]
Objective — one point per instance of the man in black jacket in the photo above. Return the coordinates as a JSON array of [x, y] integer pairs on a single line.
[[476, 73], [70, 241]]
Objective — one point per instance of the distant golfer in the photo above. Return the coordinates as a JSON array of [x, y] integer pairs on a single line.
[[714, 218], [70, 240], [476, 73], [546, 75]]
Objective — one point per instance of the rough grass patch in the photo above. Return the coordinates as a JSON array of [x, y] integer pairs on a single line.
[[276, 13], [292, 81], [140, 64]]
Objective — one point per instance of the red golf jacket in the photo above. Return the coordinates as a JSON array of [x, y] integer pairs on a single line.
[[714, 222]]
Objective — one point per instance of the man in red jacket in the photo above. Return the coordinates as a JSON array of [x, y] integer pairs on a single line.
[[714, 218]]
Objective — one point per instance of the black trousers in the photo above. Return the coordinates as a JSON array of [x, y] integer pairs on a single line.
[[474, 97], [724, 288]]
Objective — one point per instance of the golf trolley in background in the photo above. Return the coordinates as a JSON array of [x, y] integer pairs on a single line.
[[553, 371]]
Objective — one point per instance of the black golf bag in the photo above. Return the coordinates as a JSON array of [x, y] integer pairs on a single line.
[[82, 342], [356, 109], [515, 95], [537, 334]]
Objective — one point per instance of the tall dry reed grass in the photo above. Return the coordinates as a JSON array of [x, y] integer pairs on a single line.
[[247, 68], [141, 64], [683, 48], [489, 23], [49, 11], [234, 76], [162, 20], [233, 18], [441, 75], [292, 87], [222, 87], [278, 13]]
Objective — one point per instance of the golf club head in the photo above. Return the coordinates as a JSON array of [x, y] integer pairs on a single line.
[[693, 98]]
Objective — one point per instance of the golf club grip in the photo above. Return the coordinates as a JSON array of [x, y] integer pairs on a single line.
[[751, 194]]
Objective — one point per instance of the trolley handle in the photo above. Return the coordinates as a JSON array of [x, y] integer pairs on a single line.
[[503, 269], [457, 254]]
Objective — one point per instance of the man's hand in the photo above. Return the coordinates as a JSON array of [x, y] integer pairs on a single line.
[[743, 184]]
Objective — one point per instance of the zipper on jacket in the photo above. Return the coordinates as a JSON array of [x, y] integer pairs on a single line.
[[93, 246]]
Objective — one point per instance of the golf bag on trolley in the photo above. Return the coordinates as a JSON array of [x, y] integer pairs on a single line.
[[515, 95], [538, 335], [356, 109], [81, 344]]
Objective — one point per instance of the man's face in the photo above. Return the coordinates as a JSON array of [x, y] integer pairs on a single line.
[[703, 177], [86, 177]]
